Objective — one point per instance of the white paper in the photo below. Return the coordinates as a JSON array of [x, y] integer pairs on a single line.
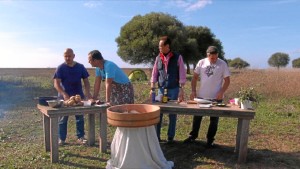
[[205, 105], [101, 105], [203, 101]]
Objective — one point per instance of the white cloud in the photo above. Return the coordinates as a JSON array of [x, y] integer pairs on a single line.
[[15, 54], [182, 3], [92, 4], [19, 56], [192, 6]]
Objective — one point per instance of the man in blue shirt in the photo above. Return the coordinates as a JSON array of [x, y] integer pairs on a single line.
[[67, 82], [118, 88]]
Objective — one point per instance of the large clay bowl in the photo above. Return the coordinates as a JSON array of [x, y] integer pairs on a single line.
[[118, 115]]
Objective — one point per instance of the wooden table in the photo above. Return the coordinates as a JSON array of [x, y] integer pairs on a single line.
[[243, 116], [50, 123]]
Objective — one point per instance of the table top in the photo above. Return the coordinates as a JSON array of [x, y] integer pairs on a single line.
[[77, 110], [171, 107], [194, 109]]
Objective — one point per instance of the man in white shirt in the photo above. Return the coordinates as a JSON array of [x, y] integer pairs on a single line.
[[214, 78]]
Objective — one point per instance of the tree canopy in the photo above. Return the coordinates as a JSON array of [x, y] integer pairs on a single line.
[[279, 59], [238, 63], [199, 38], [139, 38], [296, 63]]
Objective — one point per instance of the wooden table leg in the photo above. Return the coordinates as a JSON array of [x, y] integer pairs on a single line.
[[54, 139], [242, 139], [91, 131], [46, 125], [238, 136], [103, 132]]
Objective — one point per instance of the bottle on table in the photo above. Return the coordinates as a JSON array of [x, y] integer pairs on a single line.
[[165, 96], [153, 95]]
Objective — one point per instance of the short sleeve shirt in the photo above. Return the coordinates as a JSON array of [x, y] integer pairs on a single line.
[[111, 70], [211, 77], [71, 78]]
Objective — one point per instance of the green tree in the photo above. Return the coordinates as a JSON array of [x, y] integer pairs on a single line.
[[296, 63], [238, 63], [201, 37], [279, 59], [228, 61], [190, 50], [138, 40]]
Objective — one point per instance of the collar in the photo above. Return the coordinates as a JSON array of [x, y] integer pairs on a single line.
[[163, 57]]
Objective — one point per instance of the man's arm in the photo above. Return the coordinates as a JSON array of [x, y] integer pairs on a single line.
[[87, 88], [154, 74], [194, 85], [182, 71], [225, 85], [97, 86], [182, 78], [108, 85], [59, 89]]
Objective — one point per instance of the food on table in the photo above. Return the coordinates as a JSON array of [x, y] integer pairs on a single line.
[[191, 102], [73, 101]]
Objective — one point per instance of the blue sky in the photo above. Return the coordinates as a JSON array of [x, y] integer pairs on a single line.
[[34, 33]]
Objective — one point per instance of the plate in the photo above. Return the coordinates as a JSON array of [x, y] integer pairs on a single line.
[[101, 105], [203, 101], [205, 105]]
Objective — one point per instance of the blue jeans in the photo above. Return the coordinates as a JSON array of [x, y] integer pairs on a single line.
[[173, 95], [63, 126]]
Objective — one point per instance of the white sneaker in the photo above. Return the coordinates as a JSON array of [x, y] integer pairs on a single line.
[[82, 140], [61, 142]]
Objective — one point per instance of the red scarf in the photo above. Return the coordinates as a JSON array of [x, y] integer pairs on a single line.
[[163, 59]]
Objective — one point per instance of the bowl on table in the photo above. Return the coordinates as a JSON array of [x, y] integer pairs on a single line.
[[133, 115], [55, 103], [42, 100], [87, 103]]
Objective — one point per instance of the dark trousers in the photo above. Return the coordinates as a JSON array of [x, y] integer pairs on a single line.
[[212, 129]]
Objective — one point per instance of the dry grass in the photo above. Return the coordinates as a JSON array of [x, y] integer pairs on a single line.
[[272, 84]]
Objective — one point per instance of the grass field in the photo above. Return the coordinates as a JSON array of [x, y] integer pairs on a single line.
[[273, 140]]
